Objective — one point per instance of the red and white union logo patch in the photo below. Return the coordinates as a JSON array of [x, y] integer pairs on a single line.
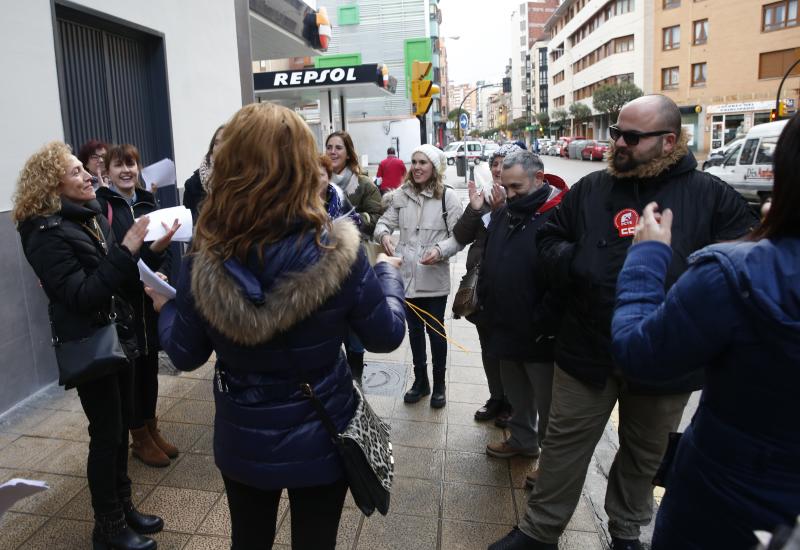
[[625, 221]]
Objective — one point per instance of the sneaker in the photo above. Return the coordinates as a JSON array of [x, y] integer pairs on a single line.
[[517, 540], [625, 544], [489, 410], [502, 449], [532, 477]]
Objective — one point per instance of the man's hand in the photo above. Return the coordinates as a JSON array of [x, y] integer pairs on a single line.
[[161, 244], [391, 260], [476, 199], [388, 246], [654, 226]]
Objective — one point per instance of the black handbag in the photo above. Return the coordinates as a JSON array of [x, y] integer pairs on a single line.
[[365, 450], [89, 358], [465, 302]]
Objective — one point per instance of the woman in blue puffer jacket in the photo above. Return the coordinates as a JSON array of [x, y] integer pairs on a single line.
[[273, 287], [736, 314]]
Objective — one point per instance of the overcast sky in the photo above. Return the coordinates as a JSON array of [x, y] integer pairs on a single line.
[[481, 52]]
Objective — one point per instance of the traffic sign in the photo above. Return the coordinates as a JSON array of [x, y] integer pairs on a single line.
[[450, 124], [463, 121]]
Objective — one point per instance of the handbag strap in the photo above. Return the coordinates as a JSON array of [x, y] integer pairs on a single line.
[[326, 419], [444, 210]]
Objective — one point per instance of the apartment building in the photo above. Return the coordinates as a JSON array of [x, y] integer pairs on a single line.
[[457, 93], [538, 76], [722, 61], [597, 42]]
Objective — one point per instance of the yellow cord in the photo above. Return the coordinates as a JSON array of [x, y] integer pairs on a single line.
[[417, 310]]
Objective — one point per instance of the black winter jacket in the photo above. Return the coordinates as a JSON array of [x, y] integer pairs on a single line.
[[585, 243], [512, 291], [470, 229], [77, 275], [194, 194], [123, 216]]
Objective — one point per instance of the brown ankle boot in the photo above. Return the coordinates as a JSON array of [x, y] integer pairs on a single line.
[[146, 450], [169, 449]]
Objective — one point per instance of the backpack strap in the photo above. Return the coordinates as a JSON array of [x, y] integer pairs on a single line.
[[444, 209]]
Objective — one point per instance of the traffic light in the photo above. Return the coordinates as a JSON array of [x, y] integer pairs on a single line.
[[507, 85], [773, 115], [421, 88]]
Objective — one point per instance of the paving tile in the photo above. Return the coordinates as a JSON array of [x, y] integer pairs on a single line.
[[190, 411], [62, 490], [420, 411], [182, 509], [418, 434], [61, 534], [69, 459], [206, 372], [418, 497], [22, 420], [521, 502], [468, 375], [583, 519], [472, 439], [64, 425], [62, 400], [463, 535], [463, 414], [398, 532], [418, 462], [203, 542], [182, 435], [139, 472], [80, 507], [348, 527], [175, 386], [164, 404], [520, 467], [203, 390], [476, 468], [204, 445], [7, 438], [16, 528], [383, 405], [218, 520], [478, 503], [167, 540], [471, 359], [467, 393], [580, 540], [195, 471]]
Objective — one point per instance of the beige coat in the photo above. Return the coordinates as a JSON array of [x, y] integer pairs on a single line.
[[419, 218]]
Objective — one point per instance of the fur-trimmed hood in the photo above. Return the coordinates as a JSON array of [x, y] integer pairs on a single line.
[[234, 300], [656, 166]]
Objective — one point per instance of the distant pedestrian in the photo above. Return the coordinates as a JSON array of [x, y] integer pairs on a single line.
[[391, 171], [583, 247], [424, 211], [735, 314], [272, 288], [195, 190], [92, 155]]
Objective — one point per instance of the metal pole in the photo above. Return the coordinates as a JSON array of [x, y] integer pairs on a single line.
[[423, 131], [780, 87]]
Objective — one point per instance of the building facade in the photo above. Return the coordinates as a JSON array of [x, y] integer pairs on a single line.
[[457, 94], [722, 61], [597, 42]]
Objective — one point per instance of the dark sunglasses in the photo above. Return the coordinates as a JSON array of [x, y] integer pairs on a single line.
[[632, 137]]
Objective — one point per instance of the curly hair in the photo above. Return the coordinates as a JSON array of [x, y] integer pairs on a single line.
[[37, 186]]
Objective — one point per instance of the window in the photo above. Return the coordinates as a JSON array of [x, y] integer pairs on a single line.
[[669, 4], [559, 101], [672, 37], [700, 35], [775, 64], [669, 78], [699, 74], [348, 15], [558, 77], [779, 15], [732, 154], [766, 149], [748, 151]]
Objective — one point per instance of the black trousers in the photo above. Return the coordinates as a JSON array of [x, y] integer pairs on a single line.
[[145, 389], [315, 513], [107, 404], [416, 333]]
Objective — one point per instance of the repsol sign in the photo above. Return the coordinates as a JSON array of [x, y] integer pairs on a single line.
[[278, 80]]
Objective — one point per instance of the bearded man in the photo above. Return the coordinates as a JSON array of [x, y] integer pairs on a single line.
[[583, 247]]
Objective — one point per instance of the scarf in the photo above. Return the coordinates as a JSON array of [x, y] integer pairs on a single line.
[[205, 170], [337, 207], [346, 181]]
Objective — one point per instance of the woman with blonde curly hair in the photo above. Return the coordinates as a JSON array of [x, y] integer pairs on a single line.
[[272, 287], [82, 268]]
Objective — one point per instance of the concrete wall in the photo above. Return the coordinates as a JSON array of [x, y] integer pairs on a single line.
[[370, 138], [204, 91]]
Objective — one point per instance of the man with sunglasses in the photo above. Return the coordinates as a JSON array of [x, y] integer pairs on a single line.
[[583, 247]]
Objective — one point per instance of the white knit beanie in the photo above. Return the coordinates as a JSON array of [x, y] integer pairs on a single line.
[[434, 154]]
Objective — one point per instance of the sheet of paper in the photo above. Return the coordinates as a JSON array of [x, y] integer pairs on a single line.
[[162, 173], [168, 215], [154, 281], [16, 489], [486, 219]]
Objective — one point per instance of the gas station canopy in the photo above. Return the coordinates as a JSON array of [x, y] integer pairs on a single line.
[[307, 85]]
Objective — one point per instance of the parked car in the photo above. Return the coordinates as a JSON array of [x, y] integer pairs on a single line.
[[575, 148], [747, 166], [563, 144], [716, 156], [456, 149], [594, 150], [488, 148], [552, 149]]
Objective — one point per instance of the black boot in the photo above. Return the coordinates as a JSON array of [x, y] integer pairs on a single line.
[[356, 361], [438, 399], [144, 524], [111, 532], [420, 388]]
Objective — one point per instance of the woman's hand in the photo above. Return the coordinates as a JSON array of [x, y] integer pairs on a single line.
[[431, 256], [654, 226], [391, 260], [386, 243], [161, 244], [135, 236], [158, 299], [476, 199]]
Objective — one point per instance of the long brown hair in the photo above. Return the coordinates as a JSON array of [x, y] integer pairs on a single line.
[[265, 184], [352, 156]]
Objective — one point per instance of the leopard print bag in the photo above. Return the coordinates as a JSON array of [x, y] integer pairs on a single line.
[[365, 450]]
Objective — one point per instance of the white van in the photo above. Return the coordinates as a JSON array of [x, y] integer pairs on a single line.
[[456, 149], [747, 166]]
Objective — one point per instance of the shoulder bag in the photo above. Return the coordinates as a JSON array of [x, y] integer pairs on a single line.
[[465, 302], [365, 450]]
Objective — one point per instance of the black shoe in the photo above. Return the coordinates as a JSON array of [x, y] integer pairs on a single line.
[[419, 389], [625, 544], [517, 540], [489, 410], [111, 532], [144, 524], [438, 399]]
